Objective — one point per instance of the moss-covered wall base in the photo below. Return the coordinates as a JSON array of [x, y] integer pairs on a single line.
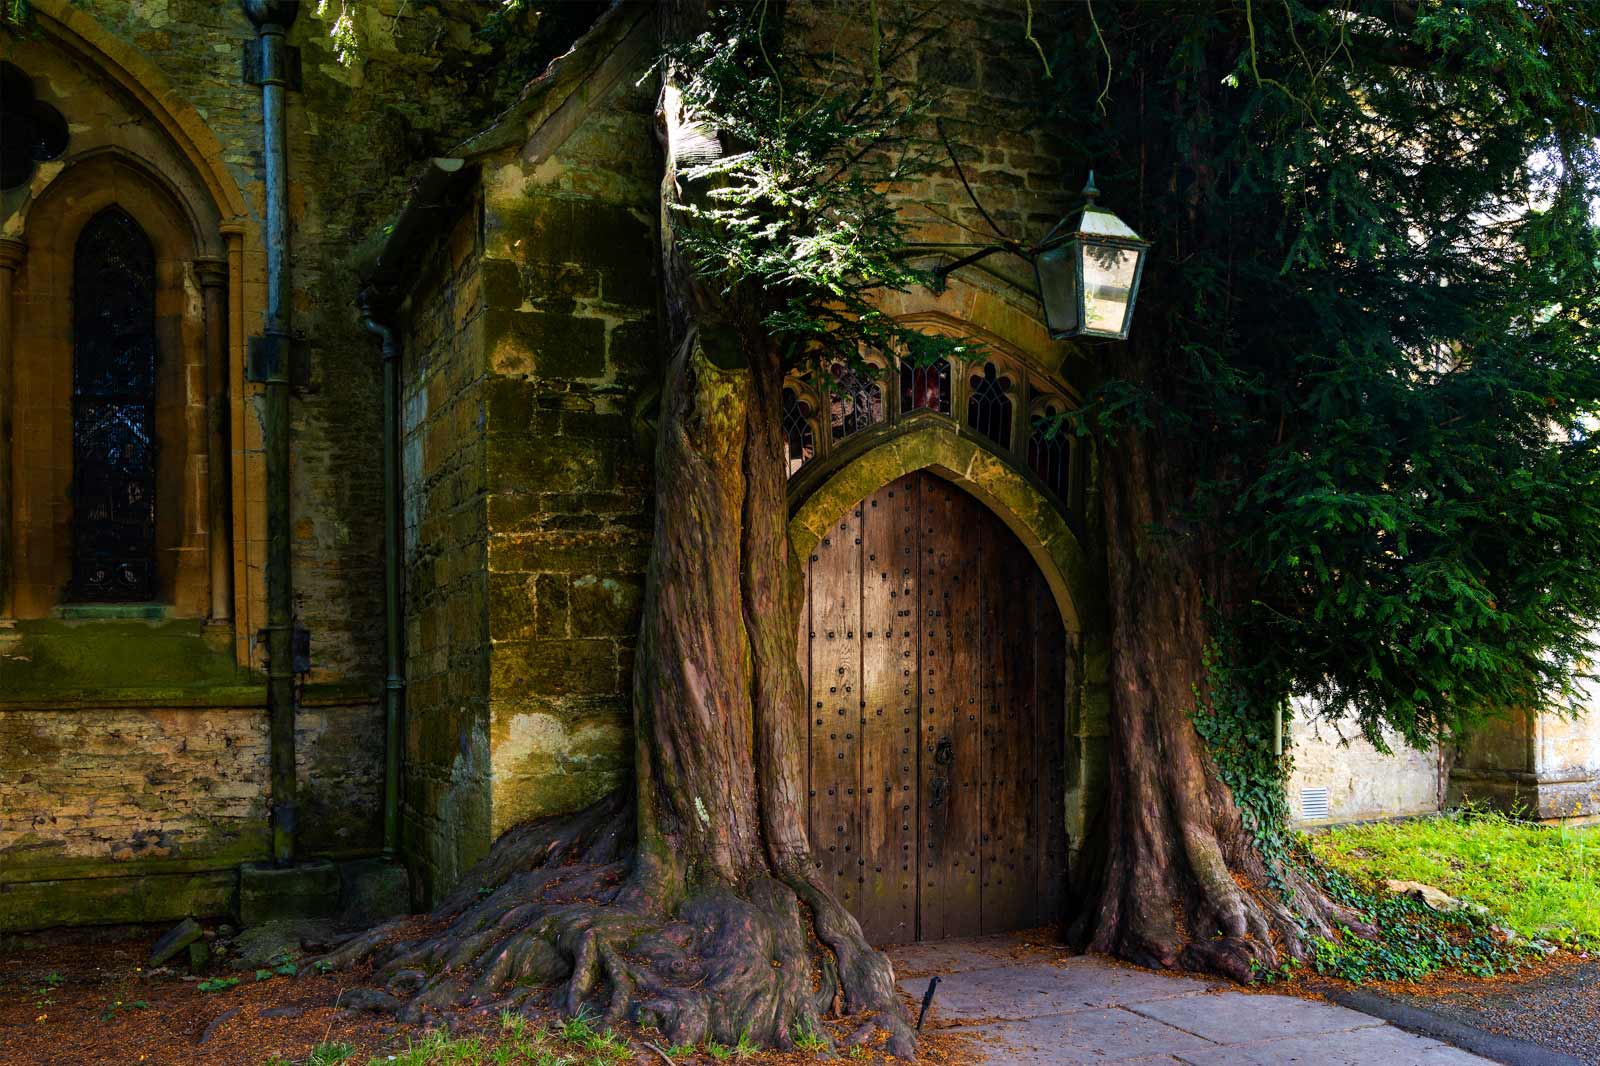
[[142, 810]]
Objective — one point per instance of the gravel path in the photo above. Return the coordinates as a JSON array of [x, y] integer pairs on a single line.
[[1558, 1010]]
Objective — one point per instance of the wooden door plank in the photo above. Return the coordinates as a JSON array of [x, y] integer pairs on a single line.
[[889, 670], [1054, 666], [1011, 786], [952, 752], [835, 708]]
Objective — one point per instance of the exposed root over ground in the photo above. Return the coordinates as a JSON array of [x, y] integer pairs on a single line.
[[558, 910]]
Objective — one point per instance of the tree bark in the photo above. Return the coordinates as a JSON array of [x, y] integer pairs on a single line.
[[1179, 883], [690, 905]]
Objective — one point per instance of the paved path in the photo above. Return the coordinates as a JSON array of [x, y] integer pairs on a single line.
[[1033, 1005]]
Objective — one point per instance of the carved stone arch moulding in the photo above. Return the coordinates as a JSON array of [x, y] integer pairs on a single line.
[[69, 27], [937, 445]]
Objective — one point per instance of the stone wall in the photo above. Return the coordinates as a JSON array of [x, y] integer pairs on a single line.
[[570, 285], [1363, 783], [530, 334], [175, 743], [446, 823], [121, 814]]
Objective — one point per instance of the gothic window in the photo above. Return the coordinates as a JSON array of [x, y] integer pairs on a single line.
[[799, 438], [1050, 451], [113, 411], [989, 405], [855, 400], [925, 388], [34, 131]]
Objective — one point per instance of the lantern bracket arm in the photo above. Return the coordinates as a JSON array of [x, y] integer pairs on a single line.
[[941, 272]]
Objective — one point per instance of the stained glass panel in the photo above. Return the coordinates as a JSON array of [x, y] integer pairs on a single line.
[[855, 401], [925, 388], [1050, 452], [799, 439]]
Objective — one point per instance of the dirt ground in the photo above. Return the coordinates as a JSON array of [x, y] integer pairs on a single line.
[[84, 1004]]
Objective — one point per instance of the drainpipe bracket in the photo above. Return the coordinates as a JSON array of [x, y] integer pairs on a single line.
[[299, 648], [277, 358], [258, 65]]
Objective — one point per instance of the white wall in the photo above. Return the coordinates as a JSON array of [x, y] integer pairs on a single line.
[[1362, 782]]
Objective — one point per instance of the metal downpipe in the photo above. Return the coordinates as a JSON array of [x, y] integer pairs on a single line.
[[272, 19], [394, 682]]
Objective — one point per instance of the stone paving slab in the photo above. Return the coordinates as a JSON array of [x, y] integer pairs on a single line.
[[1036, 989], [1237, 1018], [1024, 1007], [1378, 1046], [1111, 1035]]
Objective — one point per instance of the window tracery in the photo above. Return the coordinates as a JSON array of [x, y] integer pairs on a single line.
[[800, 439], [1050, 448], [989, 404]]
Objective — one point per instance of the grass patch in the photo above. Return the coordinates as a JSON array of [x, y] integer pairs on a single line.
[[1540, 881]]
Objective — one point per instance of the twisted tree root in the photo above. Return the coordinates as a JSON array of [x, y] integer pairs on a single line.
[[556, 908]]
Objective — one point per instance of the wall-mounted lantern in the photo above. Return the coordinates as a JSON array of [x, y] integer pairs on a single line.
[[1088, 270]]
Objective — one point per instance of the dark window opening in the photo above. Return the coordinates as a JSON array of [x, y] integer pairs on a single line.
[[1050, 452], [855, 401], [989, 405], [925, 388], [799, 439], [113, 411]]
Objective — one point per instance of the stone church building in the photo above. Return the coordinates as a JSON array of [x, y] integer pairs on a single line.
[[450, 566]]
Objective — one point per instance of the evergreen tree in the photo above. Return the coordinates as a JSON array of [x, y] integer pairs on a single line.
[[1346, 454]]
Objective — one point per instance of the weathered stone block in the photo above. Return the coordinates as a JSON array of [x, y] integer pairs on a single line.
[[606, 605], [271, 893], [174, 940], [372, 890], [554, 667]]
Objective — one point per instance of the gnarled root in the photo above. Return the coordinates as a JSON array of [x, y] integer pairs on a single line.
[[1214, 914], [554, 908]]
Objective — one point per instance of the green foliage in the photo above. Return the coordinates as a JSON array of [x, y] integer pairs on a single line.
[[120, 1006], [330, 1054], [1238, 730], [795, 218], [1366, 336], [1413, 940], [1541, 881], [807, 1038], [216, 984]]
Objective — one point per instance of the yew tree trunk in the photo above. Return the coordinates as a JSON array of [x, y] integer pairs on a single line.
[[1179, 880], [687, 902]]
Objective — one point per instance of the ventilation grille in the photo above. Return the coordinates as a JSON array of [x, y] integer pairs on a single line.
[[1313, 803]]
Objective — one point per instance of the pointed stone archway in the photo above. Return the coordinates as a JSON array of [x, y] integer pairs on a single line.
[[1056, 581]]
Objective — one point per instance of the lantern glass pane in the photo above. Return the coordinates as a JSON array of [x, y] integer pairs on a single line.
[[1108, 273], [1058, 288]]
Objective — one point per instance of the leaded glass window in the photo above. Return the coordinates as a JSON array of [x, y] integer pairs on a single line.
[[1050, 452], [925, 388], [800, 440], [989, 405], [855, 401], [113, 411]]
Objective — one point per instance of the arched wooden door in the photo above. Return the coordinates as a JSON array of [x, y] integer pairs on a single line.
[[935, 658]]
